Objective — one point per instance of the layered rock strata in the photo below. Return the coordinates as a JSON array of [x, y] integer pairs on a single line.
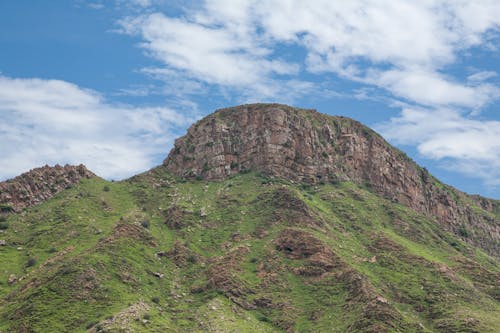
[[306, 146]]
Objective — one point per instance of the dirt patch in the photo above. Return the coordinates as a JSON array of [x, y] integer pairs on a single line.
[[223, 275], [225, 200], [132, 231], [181, 255], [446, 271], [376, 315], [483, 279], [452, 325], [287, 207], [380, 243], [298, 244], [122, 319], [284, 198], [57, 257], [174, 217], [85, 284]]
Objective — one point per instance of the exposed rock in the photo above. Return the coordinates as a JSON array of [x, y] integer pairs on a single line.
[[287, 207], [12, 279], [298, 244], [122, 320], [223, 276], [203, 212], [174, 217], [39, 184], [181, 255], [132, 231], [307, 146], [158, 275]]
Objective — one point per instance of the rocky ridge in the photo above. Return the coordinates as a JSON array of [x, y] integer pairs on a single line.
[[38, 185], [307, 146]]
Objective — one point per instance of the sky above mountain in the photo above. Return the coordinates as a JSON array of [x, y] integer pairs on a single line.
[[111, 84]]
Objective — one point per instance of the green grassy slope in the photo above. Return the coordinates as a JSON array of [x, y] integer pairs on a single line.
[[248, 254]]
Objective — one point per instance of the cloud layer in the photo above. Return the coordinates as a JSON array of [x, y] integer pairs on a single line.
[[399, 46], [401, 53], [399, 49], [52, 121]]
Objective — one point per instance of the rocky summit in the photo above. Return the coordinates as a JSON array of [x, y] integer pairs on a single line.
[[263, 218], [38, 185], [307, 146]]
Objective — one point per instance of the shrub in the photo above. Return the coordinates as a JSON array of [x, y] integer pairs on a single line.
[[462, 231], [155, 299], [4, 225], [31, 262], [146, 316], [52, 250], [264, 319], [105, 188], [6, 208], [192, 258], [145, 224]]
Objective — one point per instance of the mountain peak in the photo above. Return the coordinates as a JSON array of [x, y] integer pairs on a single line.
[[275, 139], [307, 146], [40, 184], [296, 144]]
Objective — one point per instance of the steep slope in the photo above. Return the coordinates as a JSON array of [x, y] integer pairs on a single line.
[[250, 252], [307, 146], [38, 185]]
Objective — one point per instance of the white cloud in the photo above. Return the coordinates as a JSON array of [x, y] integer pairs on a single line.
[[205, 51], [434, 89], [464, 144], [142, 3], [482, 76], [405, 43], [401, 47], [52, 121]]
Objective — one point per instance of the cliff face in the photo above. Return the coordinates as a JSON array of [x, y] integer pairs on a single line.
[[40, 184], [306, 146]]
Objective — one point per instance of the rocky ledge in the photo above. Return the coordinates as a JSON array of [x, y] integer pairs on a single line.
[[38, 185], [307, 146]]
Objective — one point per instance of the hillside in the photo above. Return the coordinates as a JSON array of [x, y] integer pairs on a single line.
[[263, 218]]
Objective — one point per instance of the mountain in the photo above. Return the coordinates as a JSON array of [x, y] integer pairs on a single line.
[[263, 218], [38, 185], [310, 147]]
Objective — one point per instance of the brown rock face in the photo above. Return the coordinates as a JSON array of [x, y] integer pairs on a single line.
[[39, 184], [307, 146]]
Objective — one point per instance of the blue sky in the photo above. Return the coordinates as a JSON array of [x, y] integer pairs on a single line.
[[111, 84]]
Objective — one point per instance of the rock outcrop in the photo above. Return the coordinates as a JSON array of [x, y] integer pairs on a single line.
[[307, 146], [38, 185]]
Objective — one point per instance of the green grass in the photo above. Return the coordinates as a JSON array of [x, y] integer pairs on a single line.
[[102, 248]]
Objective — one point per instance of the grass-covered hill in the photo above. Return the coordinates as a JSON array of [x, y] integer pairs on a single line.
[[248, 253]]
